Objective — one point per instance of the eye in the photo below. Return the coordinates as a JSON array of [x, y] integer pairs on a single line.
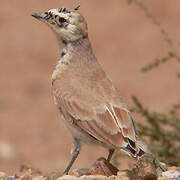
[[62, 20]]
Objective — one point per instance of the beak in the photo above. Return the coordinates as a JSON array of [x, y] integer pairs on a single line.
[[39, 16]]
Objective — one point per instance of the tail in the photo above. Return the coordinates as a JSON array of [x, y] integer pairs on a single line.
[[136, 149]]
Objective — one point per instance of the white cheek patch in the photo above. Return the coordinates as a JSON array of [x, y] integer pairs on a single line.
[[74, 29], [71, 27]]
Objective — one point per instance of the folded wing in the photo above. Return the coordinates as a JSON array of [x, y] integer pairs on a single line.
[[109, 123]]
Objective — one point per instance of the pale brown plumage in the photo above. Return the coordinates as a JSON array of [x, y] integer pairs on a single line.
[[83, 91], [86, 98]]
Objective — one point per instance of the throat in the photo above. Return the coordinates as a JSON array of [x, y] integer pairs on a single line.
[[77, 45], [70, 52], [65, 52], [64, 57]]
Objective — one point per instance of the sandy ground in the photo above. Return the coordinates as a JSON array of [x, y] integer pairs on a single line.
[[124, 40]]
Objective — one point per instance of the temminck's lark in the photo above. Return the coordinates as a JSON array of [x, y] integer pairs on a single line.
[[88, 102]]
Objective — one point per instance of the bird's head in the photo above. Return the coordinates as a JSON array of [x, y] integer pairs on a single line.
[[68, 25]]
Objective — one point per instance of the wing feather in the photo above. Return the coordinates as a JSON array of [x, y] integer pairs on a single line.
[[125, 122], [109, 123], [93, 128]]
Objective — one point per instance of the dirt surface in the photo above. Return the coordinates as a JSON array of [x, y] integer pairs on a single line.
[[146, 168], [124, 40]]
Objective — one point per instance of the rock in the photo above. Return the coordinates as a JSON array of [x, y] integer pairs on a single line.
[[67, 177], [40, 178], [26, 177], [113, 177], [147, 168], [85, 177], [175, 173], [81, 172], [122, 175], [165, 178], [100, 167], [103, 167]]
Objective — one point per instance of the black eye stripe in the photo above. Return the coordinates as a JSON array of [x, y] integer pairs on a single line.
[[54, 17]]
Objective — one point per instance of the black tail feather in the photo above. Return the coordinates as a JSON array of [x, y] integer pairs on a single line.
[[134, 149]]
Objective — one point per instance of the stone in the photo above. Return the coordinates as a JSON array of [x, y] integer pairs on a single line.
[[103, 167], [147, 167], [85, 177], [174, 173], [122, 175], [165, 178], [26, 177], [40, 178], [80, 172], [67, 177]]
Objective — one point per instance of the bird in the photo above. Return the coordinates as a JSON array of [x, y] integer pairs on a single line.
[[85, 96]]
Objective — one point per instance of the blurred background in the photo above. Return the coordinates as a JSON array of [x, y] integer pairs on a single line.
[[124, 40]]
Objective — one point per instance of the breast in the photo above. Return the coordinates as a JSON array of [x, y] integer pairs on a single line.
[[59, 71]]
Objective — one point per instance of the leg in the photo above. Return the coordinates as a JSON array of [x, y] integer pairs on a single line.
[[74, 153], [111, 151]]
